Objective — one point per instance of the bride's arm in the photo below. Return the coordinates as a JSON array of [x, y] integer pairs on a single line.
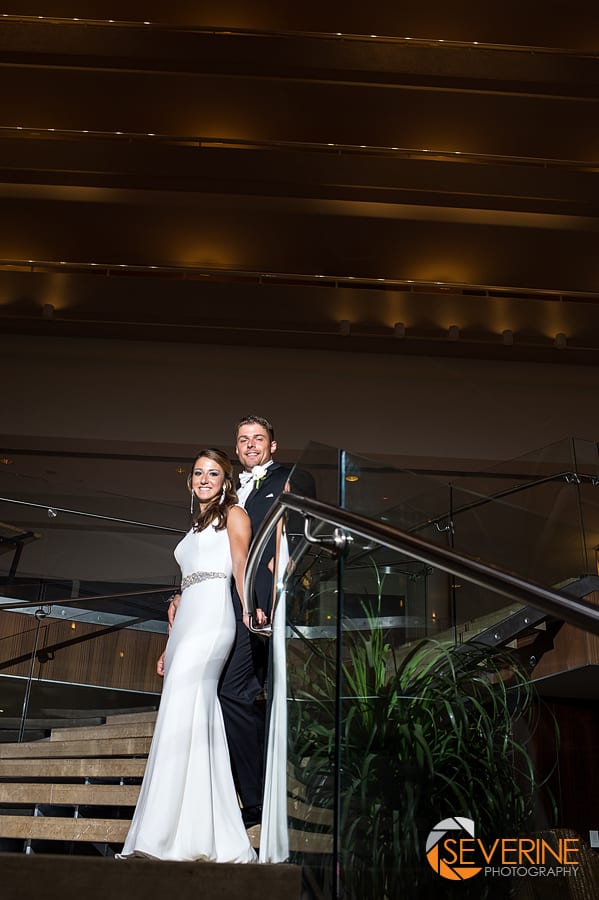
[[239, 530]]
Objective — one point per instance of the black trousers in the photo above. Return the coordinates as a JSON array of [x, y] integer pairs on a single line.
[[239, 689]]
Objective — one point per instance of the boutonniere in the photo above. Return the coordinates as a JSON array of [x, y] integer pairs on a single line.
[[259, 474]]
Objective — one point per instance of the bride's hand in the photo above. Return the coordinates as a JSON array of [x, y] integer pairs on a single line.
[[260, 616], [160, 665]]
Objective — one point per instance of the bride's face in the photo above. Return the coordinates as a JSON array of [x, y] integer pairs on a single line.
[[207, 479]]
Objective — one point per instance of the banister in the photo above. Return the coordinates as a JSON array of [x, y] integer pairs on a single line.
[[557, 604]]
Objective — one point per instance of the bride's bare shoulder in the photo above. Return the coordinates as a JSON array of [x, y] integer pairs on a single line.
[[238, 513]]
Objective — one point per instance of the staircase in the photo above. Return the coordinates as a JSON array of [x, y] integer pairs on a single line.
[[80, 785], [72, 795]]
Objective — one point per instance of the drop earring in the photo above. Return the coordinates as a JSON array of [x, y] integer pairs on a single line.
[[191, 504], [222, 496]]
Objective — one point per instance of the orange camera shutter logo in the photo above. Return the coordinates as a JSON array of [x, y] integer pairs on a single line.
[[444, 858]]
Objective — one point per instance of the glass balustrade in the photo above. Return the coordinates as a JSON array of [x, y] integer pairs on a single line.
[[85, 576], [395, 726], [398, 719]]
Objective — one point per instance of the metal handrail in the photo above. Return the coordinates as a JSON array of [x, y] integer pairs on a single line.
[[557, 604], [54, 510]]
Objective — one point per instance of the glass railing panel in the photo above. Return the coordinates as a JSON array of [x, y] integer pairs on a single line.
[[317, 472], [85, 575], [73, 664], [421, 505], [537, 516], [537, 533], [553, 460], [130, 487], [395, 724], [546, 507]]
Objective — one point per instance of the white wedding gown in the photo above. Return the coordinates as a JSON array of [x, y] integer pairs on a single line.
[[188, 807]]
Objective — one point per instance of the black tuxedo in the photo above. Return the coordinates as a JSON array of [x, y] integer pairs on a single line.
[[242, 678]]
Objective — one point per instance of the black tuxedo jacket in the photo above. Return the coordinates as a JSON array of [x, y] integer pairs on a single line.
[[258, 503]]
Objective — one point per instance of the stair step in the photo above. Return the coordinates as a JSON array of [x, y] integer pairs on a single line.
[[103, 732], [61, 877], [70, 794], [47, 722], [39, 749], [114, 831], [309, 842], [124, 718], [304, 812], [93, 752], [51, 828], [72, 768]]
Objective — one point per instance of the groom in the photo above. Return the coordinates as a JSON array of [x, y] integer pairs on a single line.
[[261, 482]]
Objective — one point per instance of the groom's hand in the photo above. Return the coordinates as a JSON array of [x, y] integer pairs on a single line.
[[172, 609]]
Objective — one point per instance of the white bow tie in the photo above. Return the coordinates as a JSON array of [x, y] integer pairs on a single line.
[[244, 477]]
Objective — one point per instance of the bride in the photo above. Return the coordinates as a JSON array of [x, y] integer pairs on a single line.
[[188, 807]]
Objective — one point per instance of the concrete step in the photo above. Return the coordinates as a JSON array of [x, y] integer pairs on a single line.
[[57, 877], [93, 752], [51, 828], [125, 718], [72, 768], [103, 732], [114, 831], [47, 722], [45, 749], [70, 794]]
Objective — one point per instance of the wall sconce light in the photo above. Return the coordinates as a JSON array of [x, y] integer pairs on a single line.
[[344, 327], [453, 333], [508, 337], [399, 330], [560, 340]]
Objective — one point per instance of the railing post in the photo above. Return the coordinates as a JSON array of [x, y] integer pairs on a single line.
[[39, 615]]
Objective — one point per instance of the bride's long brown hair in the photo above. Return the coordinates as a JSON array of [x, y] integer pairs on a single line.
[[217, 511]]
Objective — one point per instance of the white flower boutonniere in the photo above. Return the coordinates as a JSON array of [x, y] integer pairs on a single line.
[[258, 474]]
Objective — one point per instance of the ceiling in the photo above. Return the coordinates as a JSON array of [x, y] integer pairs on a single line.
[[315, 175]]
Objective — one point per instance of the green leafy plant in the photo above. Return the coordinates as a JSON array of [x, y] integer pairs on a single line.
[[433, 731]]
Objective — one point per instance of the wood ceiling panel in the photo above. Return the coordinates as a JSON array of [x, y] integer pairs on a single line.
[[220, 107], [321, 58], [241, 237], [151, 166], [496, 21]]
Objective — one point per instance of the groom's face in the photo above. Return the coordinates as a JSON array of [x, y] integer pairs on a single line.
[[254, 446]]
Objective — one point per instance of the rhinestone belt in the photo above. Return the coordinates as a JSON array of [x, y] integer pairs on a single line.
[[197, 577]]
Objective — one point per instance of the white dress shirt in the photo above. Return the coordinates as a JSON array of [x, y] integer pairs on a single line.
[[244, 490]]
